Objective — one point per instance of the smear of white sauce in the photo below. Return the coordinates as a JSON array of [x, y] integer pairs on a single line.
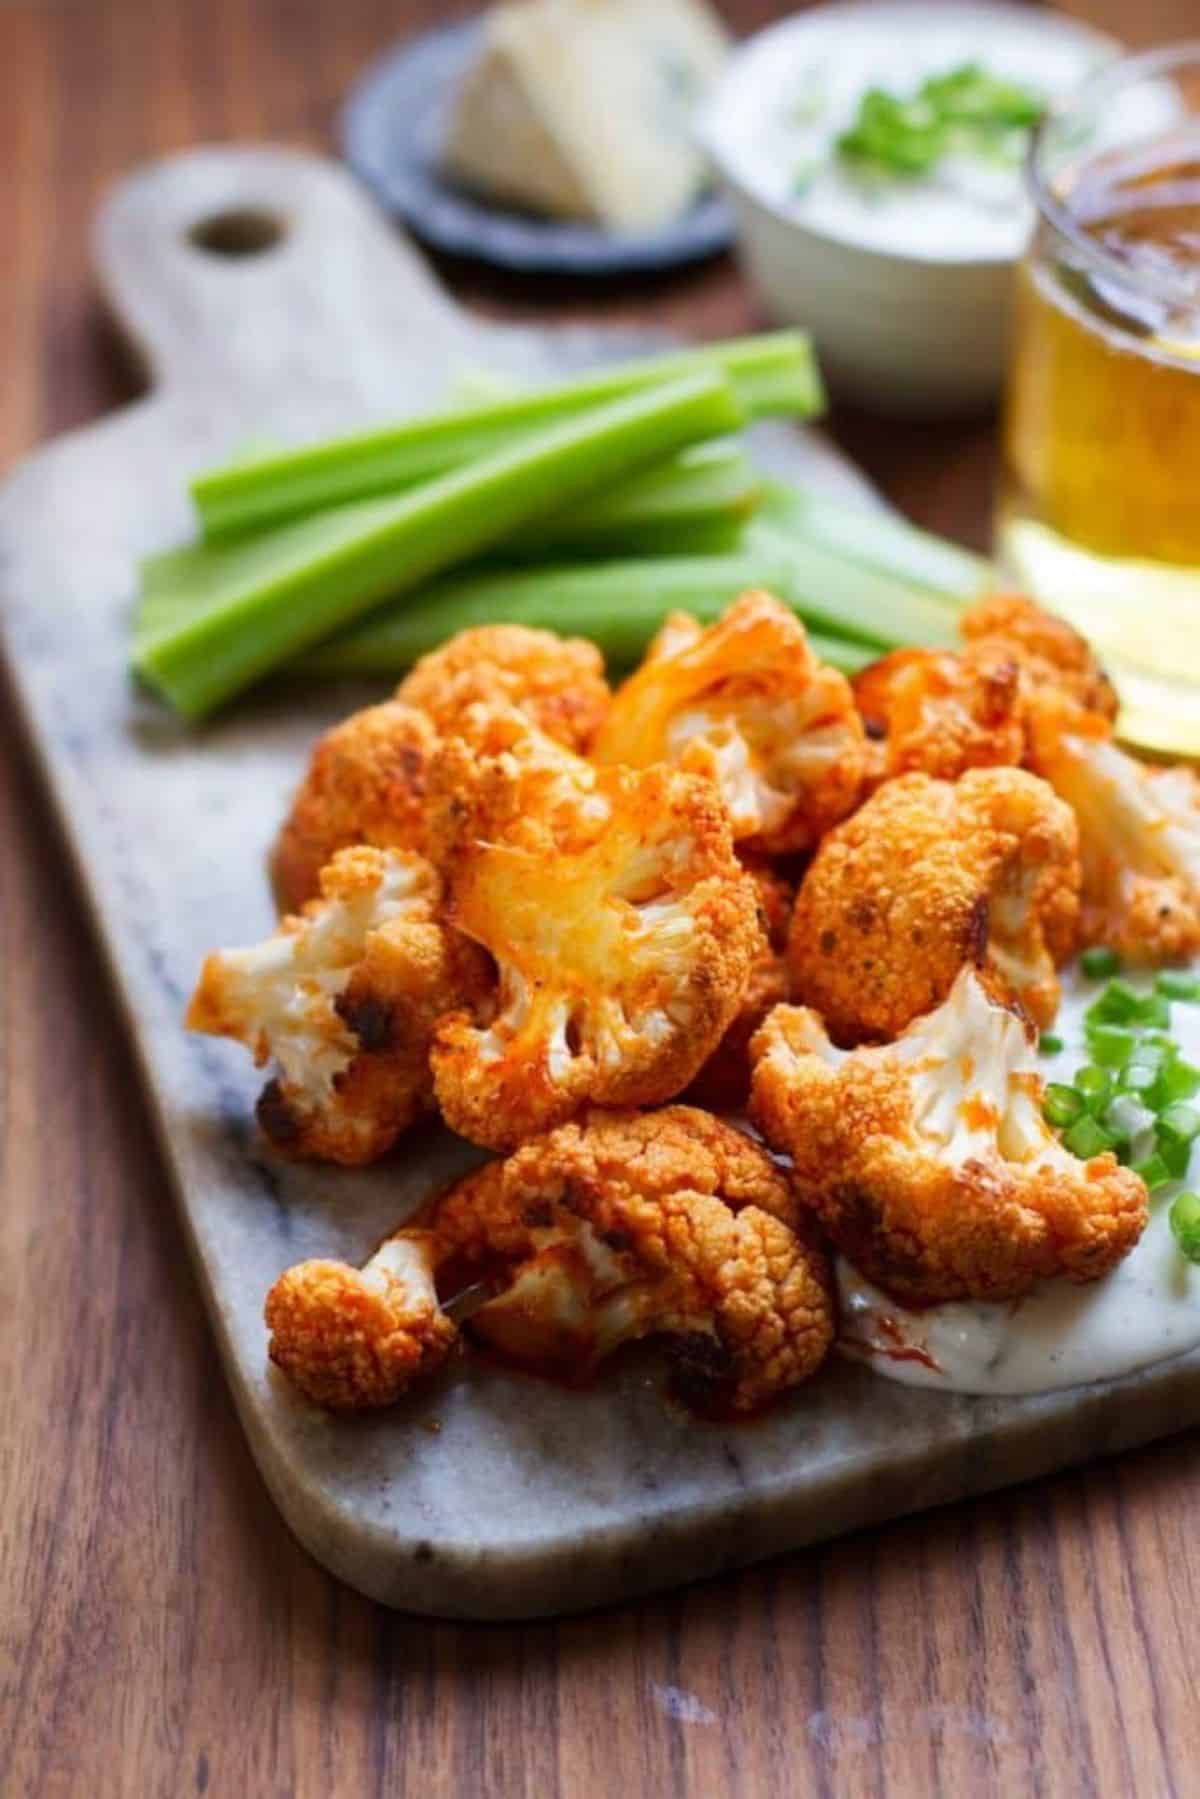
[[1062, 1335], [791, 95]]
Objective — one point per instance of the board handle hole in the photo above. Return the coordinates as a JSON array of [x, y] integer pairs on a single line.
[[242, 231]]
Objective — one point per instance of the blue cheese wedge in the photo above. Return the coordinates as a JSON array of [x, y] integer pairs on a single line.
[[583, 108]]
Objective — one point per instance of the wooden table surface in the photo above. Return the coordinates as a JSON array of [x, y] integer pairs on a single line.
[[161, 1633]]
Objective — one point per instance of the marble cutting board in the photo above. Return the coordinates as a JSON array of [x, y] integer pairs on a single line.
[[488, 1496]]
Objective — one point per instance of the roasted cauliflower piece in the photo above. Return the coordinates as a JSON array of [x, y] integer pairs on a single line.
[[356, 1338], [499, 776], [938, 713], [344, 999], [557, 682], [927, 1160], [1139, 833], [747, 704], [366, 783], [928, 877], [723, 1084], [1051, 653], [620, 1227], [623, 929]]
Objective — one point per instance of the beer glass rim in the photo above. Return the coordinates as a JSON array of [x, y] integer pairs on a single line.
[[1121, 72]]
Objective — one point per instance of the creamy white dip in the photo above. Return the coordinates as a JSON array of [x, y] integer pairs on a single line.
[[1062, 1335], [795, 89]]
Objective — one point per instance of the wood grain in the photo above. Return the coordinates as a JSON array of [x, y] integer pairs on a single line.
[[159, 1632]]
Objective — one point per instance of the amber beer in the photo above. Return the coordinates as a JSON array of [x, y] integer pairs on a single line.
[[1099, 508]]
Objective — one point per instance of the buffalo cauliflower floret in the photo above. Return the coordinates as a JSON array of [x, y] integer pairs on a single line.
[[938, 713], [928, 1161], [1139, 834], [499, 776], [928, 877], [747, 704], [344, 999], [723, 1084], [366, 783], [621, 1227], [355, 1338], [557, 682], [623, 929], [1050, 652]]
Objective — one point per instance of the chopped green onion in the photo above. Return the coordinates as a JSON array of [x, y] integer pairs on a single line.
[[1176, 1153], [772, 373], [1050, 1045], [1061, 1105], [1118, 1003], [1111, 1044], [1094, 1085], [1179, 1080], [1099, 962], [1086, 1138], [1179, 1123], [1185, 1224], [1154, 1172], [1177, 983], [1151, 1053], [1137, 1077], [302, 582]]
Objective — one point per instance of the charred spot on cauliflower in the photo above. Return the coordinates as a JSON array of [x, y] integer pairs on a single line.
[[928, 1161], [620, 1227], [747, 704], [926, 878], [1139, 833], [622, 927], [344, 999], [366, 783], [557, 682]]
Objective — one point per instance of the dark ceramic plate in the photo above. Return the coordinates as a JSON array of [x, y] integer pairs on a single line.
[[391, 130]]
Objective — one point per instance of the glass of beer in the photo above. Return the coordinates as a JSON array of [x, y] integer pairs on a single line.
[[1099, 504]]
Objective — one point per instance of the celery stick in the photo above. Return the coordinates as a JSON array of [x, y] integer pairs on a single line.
[[851, 599], [299, 584], [879, 540], [694, 503], [620, 605], [775, 373]]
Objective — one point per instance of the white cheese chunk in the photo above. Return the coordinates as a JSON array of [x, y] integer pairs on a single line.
[[583, 108]]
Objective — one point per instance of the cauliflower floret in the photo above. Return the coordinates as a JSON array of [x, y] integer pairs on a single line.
[[622, 926], [1051, 653], [344, 999], [723, 1084], [351, 1339], [938, 713], [620, 1227], [927, 877], [498, 776], [928, 1161], [1139, 834], [365, 783], [557, 682], [747, 704]]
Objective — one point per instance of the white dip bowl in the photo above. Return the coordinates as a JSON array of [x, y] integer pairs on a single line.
[[904, 283]]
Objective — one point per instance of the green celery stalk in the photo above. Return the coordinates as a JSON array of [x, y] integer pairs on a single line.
[[851, 599], [619, 605], [693, 503], [879, 540], [772, 374], [296, 586]]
